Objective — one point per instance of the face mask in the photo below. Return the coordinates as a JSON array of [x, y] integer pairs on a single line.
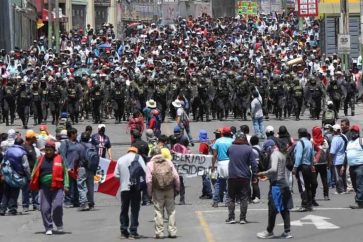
[[354, 135]]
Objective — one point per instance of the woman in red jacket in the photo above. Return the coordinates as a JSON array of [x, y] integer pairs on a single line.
[[50, 177]]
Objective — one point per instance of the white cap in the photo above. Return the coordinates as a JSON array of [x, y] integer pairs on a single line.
[[101, 126], [269, 129], [336, 127], [329, 102]]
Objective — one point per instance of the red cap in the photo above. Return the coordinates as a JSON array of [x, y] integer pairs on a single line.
[[355, 128], [50, 143], [226, 130]]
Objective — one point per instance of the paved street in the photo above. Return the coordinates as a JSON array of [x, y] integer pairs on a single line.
[[332, 221]]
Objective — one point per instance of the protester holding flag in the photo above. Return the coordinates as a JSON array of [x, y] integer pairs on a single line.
[[50, 177]]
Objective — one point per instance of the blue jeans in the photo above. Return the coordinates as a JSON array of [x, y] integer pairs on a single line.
[[356, 174], [258, 126], [219, 188], [26, 198], [85, 184], [207, 186]]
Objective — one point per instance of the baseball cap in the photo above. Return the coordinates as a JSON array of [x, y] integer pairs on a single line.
[[269, 129], [133, 149], [50, 143], [100, 126], [11, 134], [268, 143], [328, 126], [149, 133], [336, 127], [355, 128], [30, 134], [226, 130]]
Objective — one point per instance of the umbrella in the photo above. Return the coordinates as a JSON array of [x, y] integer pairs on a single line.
[[82, 71], [133, 25], [104, 46]]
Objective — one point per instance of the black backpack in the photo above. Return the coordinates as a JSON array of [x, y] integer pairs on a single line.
[[263, 163], [290, 157], [92, 158], [137, 175]]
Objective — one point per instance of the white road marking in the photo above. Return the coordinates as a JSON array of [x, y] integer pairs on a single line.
[[265, 209], [318, 221]]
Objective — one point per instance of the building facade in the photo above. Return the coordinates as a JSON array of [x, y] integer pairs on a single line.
[[18, 23]]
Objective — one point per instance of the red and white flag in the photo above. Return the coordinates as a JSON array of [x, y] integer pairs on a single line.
[[105, 181]]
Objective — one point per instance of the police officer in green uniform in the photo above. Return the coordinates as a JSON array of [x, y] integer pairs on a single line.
[[297, 93], [37, 103], [118, 100]]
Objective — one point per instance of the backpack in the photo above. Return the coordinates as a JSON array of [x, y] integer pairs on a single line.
[[137, 174], [162, 175], [263, 163], [284, 144], [320, 157], [92, 158], [329, 117], [12, 178], [62, 125], [290, 157]]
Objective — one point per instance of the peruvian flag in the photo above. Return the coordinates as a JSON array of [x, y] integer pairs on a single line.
[[105, 181]]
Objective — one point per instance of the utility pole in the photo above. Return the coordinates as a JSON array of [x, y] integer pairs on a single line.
[[50, 21], [344, 28], [56, 26]]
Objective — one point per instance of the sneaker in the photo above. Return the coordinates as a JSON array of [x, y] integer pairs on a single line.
[[25, 210], [49, 232], [172, 236], [159, 236], [326, 198], [356, 206], [339, 193], [265, 235], [243, 221], [256, 200], [315, 204], [304, 209], [134, 236], [124, 236], [182, 203], [214, 205], [286, 235], [230, 221], [59, 229], [84, 207]]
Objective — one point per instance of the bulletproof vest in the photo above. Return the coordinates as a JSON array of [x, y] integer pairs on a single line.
[[118, 94], [315, 92], [36, 95], [298, 91], [72, 93], [53, 94], [9, 92], [45, 93], [274, 90], [97, 94]]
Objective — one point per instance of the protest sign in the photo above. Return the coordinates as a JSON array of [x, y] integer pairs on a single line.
[[192, 165]]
